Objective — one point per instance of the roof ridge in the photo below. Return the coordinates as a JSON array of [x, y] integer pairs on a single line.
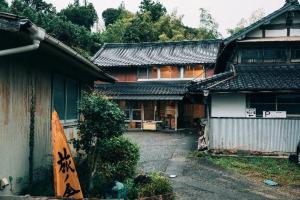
[[165, 43], [284, 8]]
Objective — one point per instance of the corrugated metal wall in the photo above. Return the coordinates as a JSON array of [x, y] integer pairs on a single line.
[[265, 135], [15, 101]]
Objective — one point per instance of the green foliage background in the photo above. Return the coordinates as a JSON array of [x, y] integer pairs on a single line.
[[74, 24]]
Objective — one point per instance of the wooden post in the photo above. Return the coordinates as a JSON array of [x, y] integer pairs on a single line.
[[142, 115], [176, 115]]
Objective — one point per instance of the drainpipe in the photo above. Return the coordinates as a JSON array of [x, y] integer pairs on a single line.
[[207, 127], [37, 35]]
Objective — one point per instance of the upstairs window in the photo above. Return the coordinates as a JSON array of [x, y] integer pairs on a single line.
[[143, 73], [169, 72], [252, 56], [148, 73], [295, 55], [260, 55], [273, 55], [65, 97], [193, 71]]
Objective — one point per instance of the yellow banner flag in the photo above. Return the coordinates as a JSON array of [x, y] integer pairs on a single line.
[[66, 183]]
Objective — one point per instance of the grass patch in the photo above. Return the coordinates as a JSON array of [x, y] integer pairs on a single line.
[[276, 169]]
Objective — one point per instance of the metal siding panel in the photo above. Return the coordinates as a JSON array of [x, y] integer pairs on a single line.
[[42, 148], [266, 135], [14, 122]]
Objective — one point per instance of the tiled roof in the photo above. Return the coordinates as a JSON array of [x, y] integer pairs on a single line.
[[253, 78], [157, 53], [290, 6], [147, 90]]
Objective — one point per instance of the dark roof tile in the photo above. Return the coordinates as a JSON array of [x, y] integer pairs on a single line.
[[253, 78], [143, 90], [157, 53]]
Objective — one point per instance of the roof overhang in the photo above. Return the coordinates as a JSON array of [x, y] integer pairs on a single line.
[[148, 97], [13, 23], [272, 39]]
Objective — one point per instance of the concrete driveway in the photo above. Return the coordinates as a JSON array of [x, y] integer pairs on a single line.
[[196, 179]]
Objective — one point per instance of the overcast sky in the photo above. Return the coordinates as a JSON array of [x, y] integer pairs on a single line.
[[226, 12]]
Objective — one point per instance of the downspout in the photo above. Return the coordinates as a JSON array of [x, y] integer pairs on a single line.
[[37, 35], [207, 127]]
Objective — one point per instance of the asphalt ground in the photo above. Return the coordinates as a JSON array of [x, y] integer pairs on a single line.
[[169, 153]]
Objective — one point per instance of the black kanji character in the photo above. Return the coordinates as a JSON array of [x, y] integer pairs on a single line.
[[64, 162], [70, 191]]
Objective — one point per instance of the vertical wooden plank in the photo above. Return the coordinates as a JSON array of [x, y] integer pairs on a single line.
[[176, 115], [142, 115]]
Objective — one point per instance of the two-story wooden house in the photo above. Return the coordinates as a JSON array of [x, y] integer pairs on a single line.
[[254, 97], [152, 79]]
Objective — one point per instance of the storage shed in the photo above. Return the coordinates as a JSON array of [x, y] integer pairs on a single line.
[[37, 75]]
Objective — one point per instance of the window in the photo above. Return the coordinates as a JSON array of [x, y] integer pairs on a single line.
[[142, 73], [193, 71], [295, 57], [273, 55], [252, 56], [147, 73], [153, 73], [266, 55], [262, 102], [270, 102], [289, 103], [170, 72], [132, 110], [65, 97], [188, 72]]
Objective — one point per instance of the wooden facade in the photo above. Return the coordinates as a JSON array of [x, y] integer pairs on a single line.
[[163, 114]]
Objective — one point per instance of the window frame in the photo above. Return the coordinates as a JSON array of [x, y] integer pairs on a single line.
[[66, 121], [276, 103]]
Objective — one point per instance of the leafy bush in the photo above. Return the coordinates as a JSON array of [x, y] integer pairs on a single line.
[[109, 157], [103, 119], [117, 159], [150, 186]]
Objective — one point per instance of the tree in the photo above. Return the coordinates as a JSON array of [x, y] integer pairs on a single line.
[[115, 32], [255, 16], [156, 9], [76, 36], [111, 15], [40, 6], [208, 26], [140, 29], [81, 15], [3, 6]]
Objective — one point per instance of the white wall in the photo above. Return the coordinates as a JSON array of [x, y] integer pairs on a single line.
[[295, 32], [228, 105], [276, 33]]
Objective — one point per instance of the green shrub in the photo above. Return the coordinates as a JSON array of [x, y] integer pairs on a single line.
[[157, 185], [102, 119], [117, 159], [108, 156]]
